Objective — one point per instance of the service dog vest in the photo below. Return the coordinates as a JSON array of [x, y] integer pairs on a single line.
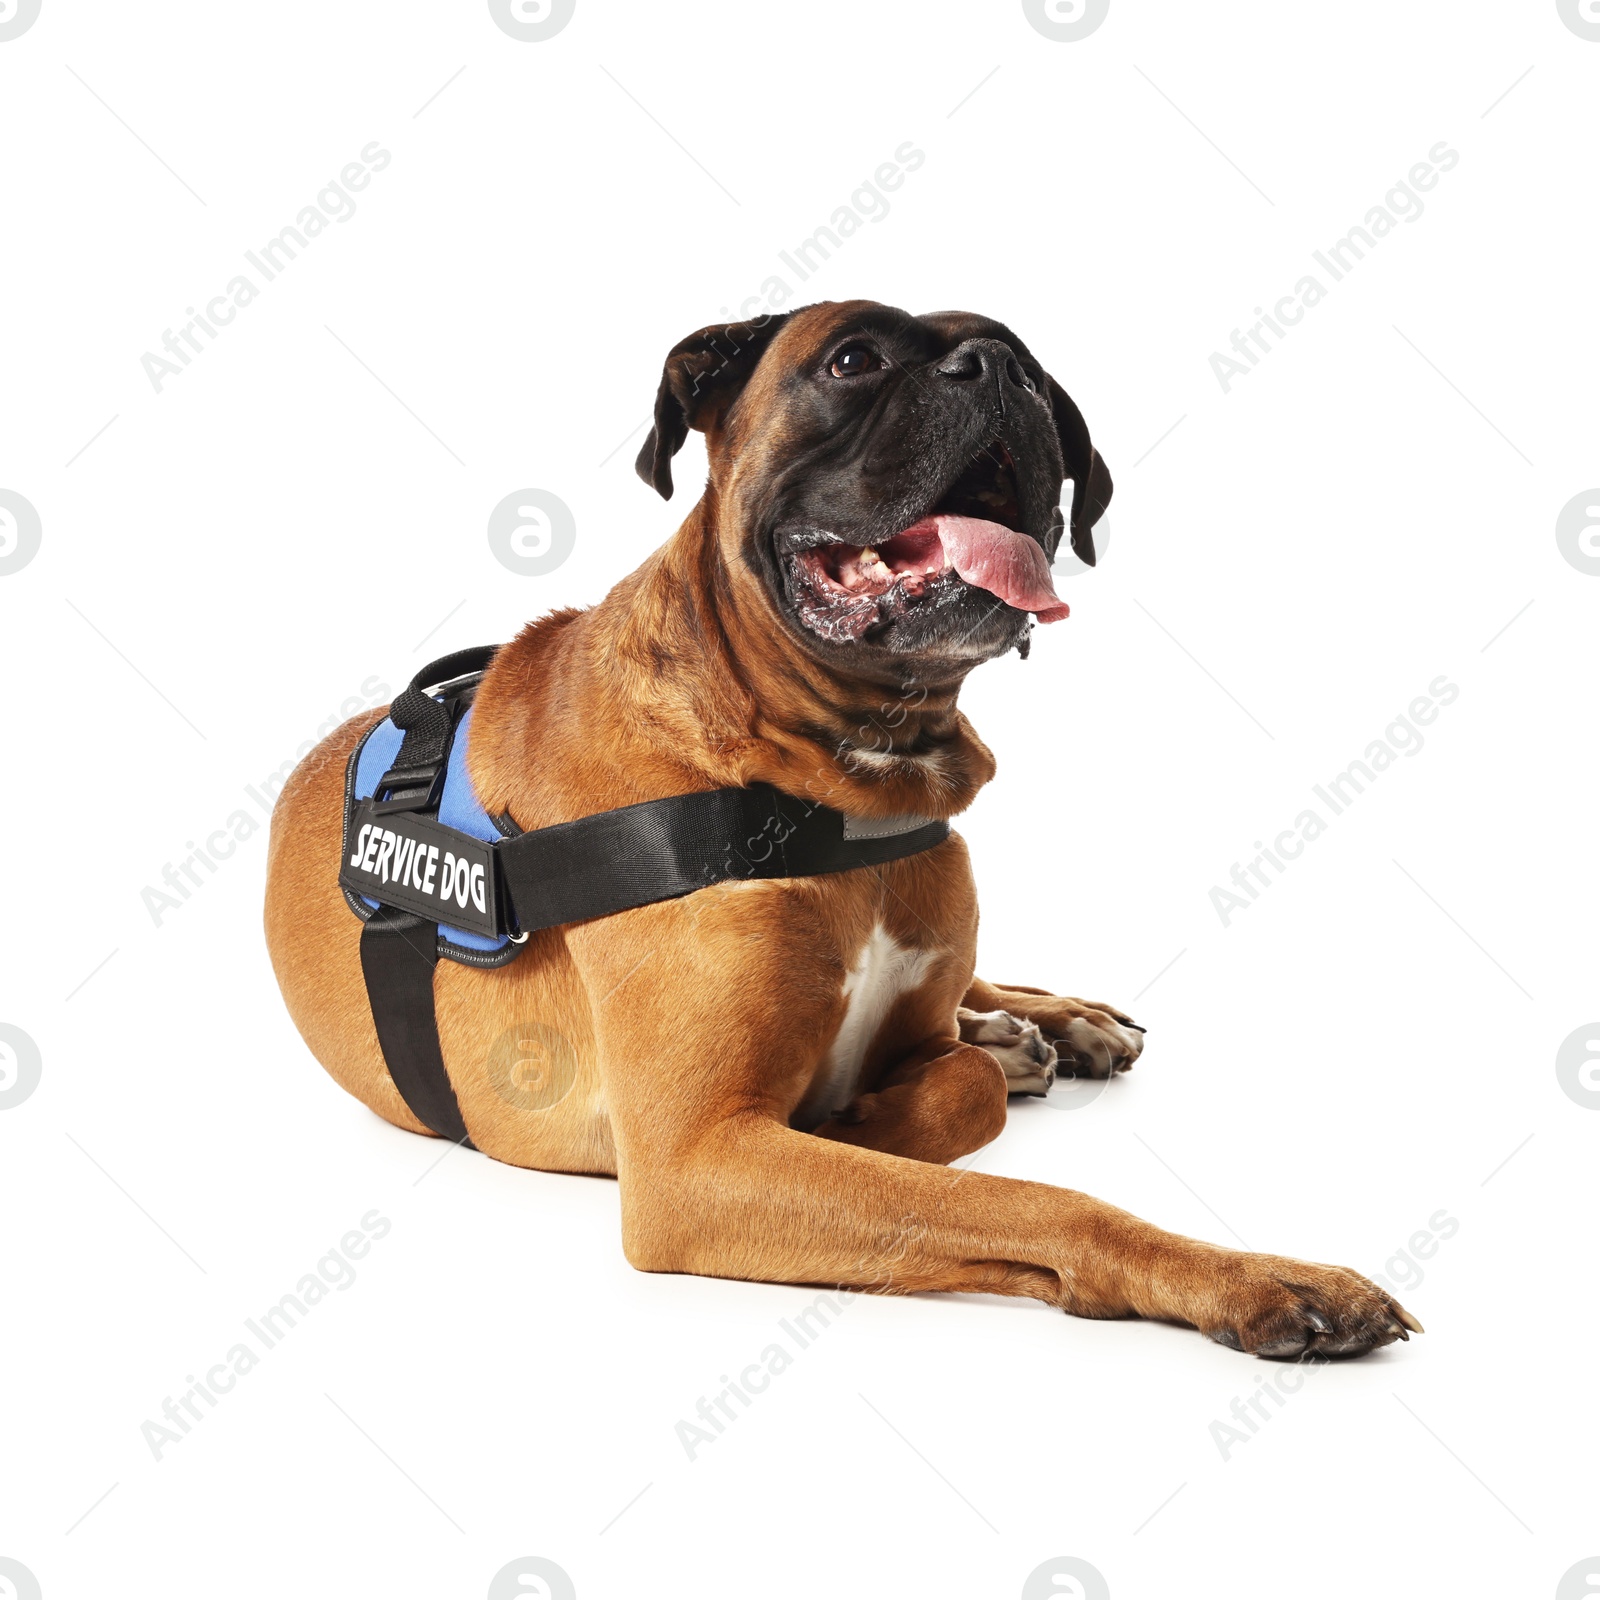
[[432, 875]]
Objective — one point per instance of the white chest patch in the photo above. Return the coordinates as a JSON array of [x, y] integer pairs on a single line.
[[883, 972]]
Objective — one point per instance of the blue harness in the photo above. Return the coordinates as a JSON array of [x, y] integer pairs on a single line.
[[459, 808], [432, 875]]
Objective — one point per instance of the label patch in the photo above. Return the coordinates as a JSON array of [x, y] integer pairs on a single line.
[[882, 827], [417, 865]]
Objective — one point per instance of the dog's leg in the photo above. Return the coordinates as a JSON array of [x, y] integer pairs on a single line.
[[944, 1101], [1092, 1040], [714, 1181], [1026, 1056], [747, 1197]]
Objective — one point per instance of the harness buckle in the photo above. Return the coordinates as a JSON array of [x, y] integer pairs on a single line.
[[408, 789]]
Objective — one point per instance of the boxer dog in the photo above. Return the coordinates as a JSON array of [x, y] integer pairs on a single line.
[[779, 1071]]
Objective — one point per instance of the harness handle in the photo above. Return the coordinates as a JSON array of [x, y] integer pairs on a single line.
[[416, 780]]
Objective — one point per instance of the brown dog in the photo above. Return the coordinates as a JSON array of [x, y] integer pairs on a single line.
[[776, 1071]]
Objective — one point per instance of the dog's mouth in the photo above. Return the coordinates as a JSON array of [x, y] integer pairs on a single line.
[[971, 539], [986, 489], [909, 561]]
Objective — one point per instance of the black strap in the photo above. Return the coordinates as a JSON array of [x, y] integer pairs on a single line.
[[399, 951], [664, 849], [398, 955]]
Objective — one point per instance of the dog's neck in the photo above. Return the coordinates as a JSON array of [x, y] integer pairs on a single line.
[[686, 680]]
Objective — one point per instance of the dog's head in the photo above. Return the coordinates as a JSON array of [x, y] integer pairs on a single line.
[[893, 482]]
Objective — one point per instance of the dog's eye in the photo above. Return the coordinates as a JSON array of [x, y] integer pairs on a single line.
[[853, 360]]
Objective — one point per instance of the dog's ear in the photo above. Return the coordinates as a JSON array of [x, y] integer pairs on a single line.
[[1091, 481], [702, 376]]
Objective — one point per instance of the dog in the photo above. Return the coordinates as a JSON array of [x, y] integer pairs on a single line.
[[779, 1071]]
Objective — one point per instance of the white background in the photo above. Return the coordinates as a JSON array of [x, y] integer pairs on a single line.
[[304, 510]]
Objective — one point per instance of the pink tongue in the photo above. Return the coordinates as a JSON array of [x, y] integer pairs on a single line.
[[994, 557]]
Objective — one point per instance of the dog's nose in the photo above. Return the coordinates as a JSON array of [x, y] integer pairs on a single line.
[[988, 363]]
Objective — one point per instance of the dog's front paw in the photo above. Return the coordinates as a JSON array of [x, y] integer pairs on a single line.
[[1026, 1057], [1283, 1309], [1092, 1041]]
